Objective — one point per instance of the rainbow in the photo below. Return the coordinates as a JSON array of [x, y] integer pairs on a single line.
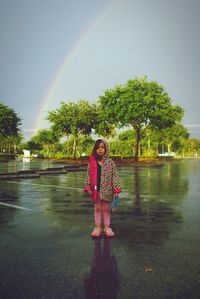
[[57, 80]]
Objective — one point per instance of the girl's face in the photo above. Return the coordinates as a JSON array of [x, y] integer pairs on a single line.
[[101, 150]]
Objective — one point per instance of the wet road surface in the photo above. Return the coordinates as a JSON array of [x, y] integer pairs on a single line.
[[46, 250]]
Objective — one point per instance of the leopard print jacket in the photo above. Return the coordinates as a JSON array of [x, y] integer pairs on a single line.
[[110, 183]]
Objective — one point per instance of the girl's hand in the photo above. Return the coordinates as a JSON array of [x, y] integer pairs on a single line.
[[89, 192], [114, 210], [114, 204]]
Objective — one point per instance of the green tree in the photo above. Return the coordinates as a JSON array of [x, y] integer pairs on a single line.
[[103, 127], [173, 134], [149, 142], [10, 133], [126, 142], [33, 145], [47, 138], [9, 122], [84, 145], [194, 147], [127, 135], [139, 104], [74, 119]]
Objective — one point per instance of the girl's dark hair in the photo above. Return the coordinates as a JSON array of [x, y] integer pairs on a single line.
[[96, 145]]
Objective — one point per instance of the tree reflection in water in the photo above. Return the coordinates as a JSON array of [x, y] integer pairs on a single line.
[[137, 202], [104, 280], [157, 192]]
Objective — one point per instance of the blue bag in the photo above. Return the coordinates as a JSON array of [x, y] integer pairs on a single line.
[[115, 203]]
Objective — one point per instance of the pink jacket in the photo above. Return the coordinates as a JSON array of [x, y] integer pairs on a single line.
[[109, 179]]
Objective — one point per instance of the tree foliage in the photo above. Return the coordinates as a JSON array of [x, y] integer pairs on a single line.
[[140, 104], [173, 134], [9, 122], [73, 119], [44, 140], [127, 135], [10, 134]]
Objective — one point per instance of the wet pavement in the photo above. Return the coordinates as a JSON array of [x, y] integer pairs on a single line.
[[45, 245]]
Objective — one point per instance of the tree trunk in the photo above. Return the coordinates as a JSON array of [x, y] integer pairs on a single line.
[[149, 146], [15, 149], [169, 148], [47, 149], [137, 143], [163, 149], [67, 146], [74, 148]]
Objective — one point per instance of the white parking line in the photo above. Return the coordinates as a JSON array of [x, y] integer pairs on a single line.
[[55, 186], [13, 206], [42, 185], [73, 177]]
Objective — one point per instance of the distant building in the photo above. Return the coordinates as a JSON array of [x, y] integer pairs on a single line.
[[172, 154], [27, 154]]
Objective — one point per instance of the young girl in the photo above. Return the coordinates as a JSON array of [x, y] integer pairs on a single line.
[[103, 186]]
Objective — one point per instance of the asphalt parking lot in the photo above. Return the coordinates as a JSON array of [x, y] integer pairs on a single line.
[[46, 250]]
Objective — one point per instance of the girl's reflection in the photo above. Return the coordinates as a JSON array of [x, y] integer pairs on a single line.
[[104, 281]]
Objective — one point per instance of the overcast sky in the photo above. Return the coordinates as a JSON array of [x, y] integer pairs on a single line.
[[53, 50]]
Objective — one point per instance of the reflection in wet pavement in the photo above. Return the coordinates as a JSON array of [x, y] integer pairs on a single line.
[[47, 252], [104, 280]]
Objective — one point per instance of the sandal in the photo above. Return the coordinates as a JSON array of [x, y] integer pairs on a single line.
[[109, 232], [96, 232]]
